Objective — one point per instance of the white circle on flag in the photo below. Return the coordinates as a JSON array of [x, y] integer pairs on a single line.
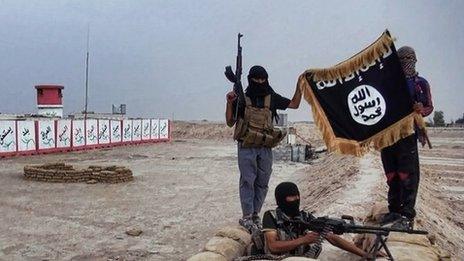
[[366, 105]]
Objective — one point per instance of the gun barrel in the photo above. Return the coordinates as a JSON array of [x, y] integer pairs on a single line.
[[359, 229], [238, 66], [340, 227]]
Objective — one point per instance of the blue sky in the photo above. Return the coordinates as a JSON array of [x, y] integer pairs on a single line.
[[166, 58]]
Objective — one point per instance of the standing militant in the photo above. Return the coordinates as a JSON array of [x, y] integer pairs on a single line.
[[252, 112], [401, 160]]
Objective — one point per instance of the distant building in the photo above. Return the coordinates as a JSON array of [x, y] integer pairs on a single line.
[[49, 100]]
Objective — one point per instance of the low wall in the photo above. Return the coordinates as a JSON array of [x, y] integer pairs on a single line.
[[28, 137], [227, 244], [63, 173]]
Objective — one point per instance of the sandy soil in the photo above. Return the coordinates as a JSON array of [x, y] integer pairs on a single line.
[[441, 195], [185, 190], [181, 194]]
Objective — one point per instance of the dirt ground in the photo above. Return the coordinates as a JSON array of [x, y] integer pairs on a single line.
[[186, 190], [441, 195]]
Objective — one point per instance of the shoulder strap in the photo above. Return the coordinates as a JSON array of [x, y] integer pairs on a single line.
[[267, 101], [279, 218]]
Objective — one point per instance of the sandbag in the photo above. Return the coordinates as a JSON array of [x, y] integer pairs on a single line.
[[207, 256], [226, 247], [402, 246], [297, 258], [238, 234], [378, 211]]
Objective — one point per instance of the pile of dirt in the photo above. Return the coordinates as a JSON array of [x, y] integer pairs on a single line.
[[327, 178], [201, 130], [441, 192], [306, 132]]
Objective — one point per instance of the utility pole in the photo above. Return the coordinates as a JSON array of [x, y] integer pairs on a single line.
[[87, 75]]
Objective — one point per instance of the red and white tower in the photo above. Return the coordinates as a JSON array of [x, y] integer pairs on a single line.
[[49, 100]]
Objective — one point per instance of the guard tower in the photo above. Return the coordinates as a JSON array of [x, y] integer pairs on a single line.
[[49, 100]]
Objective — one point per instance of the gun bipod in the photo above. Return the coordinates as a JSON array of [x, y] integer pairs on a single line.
[[380, 243]]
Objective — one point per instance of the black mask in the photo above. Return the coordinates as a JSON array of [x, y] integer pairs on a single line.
[[258, 89], [282, 191]]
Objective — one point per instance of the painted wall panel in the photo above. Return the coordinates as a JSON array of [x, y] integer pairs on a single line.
[[91, 130], [103, 131], [7, 136], [26, 136], [116, 131], [136, 130], [126, 130], [155, 129], [78, 134], [63, 139], [46, 129], [164, 129], [146, 129]]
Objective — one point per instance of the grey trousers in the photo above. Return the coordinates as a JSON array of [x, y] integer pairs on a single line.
[[255, 165]]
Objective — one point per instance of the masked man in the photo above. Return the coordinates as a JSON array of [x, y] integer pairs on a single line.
[[256, 136], [285, 237], [401, 160]]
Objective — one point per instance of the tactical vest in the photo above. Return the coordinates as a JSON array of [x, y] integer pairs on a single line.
[[255, 129], [284, 233]]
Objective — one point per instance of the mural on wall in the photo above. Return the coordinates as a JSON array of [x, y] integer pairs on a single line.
[[146, 129], [154, 129], [91, 132], [26, 136], [115, 131], [46, 134], [127, 130], [78, 133], [63, 129], [136, 130], [164, 129], [103, 131], [7, 136]]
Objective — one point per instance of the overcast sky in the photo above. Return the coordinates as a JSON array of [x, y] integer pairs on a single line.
[[166, 58]]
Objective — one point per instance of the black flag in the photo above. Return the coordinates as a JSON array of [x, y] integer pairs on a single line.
[[362, 100]]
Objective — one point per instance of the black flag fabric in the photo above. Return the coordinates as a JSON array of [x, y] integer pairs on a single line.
[[362, 101]]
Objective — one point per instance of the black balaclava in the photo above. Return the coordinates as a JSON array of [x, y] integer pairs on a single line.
[[282, 191], [258, 89], [255, 89]]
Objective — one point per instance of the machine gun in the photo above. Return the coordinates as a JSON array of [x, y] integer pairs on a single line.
[[236, 78], [325, 225]]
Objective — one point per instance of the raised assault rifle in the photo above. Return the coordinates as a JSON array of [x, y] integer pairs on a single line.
[[236, 78], [325, 225]]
